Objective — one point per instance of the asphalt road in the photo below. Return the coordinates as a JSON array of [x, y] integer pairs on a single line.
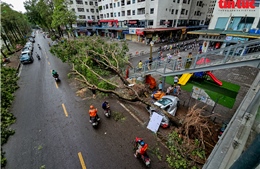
[[53, 130]]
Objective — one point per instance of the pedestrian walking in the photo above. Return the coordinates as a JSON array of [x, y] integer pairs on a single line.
[[150, 63], [160, 86], [140, 65], [179, 63], [176, 79], [93, 89]]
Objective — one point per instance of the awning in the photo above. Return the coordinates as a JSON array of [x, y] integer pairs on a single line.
[[109, 20], [163, 29]]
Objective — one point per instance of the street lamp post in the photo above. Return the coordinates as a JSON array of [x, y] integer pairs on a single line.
[[151, 49]]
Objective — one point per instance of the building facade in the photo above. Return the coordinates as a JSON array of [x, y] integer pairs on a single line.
[[87, 12], [211, 7], [232, 22]]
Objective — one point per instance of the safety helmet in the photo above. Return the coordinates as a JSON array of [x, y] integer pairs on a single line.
[[91, 106], [142, 143]]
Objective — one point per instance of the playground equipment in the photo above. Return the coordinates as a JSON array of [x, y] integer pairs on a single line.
[[184, 78]]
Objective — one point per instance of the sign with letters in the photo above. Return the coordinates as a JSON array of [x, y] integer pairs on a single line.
[[239, 4]]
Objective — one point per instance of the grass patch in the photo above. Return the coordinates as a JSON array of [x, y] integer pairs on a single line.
[[225, 94], [117, 116]]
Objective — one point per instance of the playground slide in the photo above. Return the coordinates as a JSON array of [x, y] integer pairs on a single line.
[[214, 78], [185, 78]]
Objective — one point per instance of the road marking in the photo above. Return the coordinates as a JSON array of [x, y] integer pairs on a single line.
[[19, 74], [49, 63], [64, 109], [134, 116], [56, 85], [83, 165]]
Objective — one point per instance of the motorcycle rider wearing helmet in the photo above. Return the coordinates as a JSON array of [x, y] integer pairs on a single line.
[[105, 105], [142, 147], [54, 73], [93, 113]]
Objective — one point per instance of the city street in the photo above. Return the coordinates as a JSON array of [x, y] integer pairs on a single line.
[[52, 128]]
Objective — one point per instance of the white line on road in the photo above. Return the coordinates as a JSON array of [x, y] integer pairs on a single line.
[[20, 70]]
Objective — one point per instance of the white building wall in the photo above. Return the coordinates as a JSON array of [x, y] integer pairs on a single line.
[[73, 5], [218, 12]]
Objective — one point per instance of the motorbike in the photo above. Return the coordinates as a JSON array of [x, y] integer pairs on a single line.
[[107, 111], [56, 77], [144, 157], [38, 56], [94, 121]]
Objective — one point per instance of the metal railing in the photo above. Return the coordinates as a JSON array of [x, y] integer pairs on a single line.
[[233, 56]]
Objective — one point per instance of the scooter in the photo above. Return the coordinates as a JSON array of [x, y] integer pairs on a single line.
[[38, 56], [56, 77], [94, 121], [144, 157], [107, 112]]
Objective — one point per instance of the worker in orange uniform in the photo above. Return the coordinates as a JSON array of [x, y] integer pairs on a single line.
[[141, 148], [93, 113]]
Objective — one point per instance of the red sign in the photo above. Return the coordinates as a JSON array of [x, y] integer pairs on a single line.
[[139, 32], [231, 4]]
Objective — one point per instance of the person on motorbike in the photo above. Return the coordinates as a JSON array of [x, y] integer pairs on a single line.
[[105, 105], [39, 46], [93, 113], [54, 73], [141, 148]]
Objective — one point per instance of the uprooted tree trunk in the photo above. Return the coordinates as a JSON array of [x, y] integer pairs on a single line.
[[195, 125]]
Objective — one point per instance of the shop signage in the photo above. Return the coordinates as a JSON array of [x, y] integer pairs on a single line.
[[132, 31], [139, 32], [241, 4]]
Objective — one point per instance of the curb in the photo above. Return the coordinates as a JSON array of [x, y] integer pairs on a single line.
[[18, 67]]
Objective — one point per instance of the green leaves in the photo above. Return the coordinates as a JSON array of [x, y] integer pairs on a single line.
[[8, 87]]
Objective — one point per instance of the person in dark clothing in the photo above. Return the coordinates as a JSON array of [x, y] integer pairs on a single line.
[[93, 89]]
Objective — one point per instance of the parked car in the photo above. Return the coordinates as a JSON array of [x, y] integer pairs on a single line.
[[26, 58], [168, 103], [31, 39], [28, 47]]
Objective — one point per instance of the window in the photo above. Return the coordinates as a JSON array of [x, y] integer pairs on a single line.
[[114, 14], [184, 1], [88, 17], [152, 11], [128, 2], [122, 3], [80, 2], [118, 4], [111, 14], [195, 13], [114, 5], [118, 14], [140, 11], [92, 10], [71, 2], [133, 1], [80, 9], [166, 9], [178, 1], [111, 5], [150, 22], [82, 16], [221, 23], [123, 13], [173, 0], [91, 3], [162, 22], [176, 12], [93, 17], [96, 10], [86, 2], [128, 12], [106, 6], [240, 23], [96, 4], [186, 12], [133, 12], [107, 15], [172, 11], [182, 11], [87, 10], [141, 0]]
